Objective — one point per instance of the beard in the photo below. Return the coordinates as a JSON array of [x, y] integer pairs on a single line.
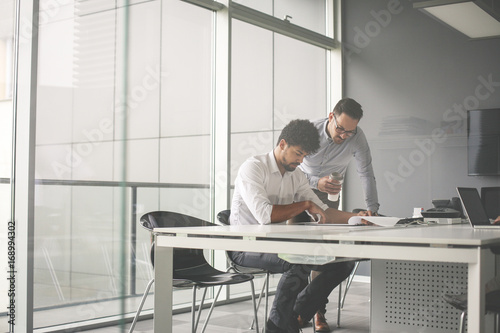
[[290, 166], [338, 139]]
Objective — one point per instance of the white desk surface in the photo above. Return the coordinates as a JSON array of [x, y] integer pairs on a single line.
[[447, 234], [439, 243]]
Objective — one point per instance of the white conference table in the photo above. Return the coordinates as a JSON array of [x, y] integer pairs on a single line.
[[438, 243]]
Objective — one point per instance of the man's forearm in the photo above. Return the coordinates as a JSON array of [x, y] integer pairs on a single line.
[[337, 216], [282, 213]]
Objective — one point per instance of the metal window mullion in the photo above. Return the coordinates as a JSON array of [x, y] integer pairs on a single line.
[[220, 178], [208, 4], [282, 27], [24, 174]]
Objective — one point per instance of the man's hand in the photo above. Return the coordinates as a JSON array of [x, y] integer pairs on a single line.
[[314, 210], [328, 185], [497, 220], [365, 222], [367, 213]]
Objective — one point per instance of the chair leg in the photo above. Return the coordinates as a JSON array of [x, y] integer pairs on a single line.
[[261, 294], [462, 322], [200, 309], [339, 306], [150, 283], [194, 323], [213, 305], [193, 311], [497, 322], [211, 309], [342, 296], [267, 302], [349, 282], [255, 318]]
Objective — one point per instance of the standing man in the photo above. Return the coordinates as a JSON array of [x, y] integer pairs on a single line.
[[341, 140], [269, 189]]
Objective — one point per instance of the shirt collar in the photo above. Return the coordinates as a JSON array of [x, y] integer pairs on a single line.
[[325, 131], [273, 165]]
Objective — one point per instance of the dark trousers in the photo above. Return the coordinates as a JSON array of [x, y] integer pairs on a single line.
[[293, 293]]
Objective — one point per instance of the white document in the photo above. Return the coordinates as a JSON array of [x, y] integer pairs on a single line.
[[383, 221]]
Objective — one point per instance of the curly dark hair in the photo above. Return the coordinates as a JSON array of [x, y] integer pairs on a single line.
[[302, 133], [350, 107]]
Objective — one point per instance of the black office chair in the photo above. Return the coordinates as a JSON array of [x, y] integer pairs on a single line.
[[223, 218], [492, 306], [190, 268]]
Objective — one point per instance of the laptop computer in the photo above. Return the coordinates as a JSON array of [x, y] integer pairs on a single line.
[[474, 208]]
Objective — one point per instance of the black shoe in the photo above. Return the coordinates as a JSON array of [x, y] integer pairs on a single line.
[[458, 301]]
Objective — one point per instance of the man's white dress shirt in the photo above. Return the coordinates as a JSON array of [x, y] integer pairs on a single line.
[[259, 185]]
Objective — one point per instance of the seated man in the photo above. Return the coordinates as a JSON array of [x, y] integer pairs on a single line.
[[269, 188]]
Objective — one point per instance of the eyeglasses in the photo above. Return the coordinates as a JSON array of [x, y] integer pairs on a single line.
[[341, 130]]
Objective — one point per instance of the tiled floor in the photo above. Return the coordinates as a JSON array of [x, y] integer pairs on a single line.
[[236, 317]]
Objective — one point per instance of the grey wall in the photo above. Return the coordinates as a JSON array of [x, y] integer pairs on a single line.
[[414, 77]]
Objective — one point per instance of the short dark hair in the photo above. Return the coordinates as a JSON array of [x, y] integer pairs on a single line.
[[350, 107], [302, 133]]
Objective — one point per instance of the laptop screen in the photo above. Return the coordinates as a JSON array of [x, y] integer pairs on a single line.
[[473, 206]]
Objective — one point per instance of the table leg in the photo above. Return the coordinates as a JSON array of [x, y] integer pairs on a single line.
[[162, 319], [479, 274]]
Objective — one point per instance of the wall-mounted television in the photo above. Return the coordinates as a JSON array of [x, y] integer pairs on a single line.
[[483, 142]]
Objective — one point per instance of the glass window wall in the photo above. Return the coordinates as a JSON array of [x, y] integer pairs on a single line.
[[125, 112], [99, 64], [309, 14]]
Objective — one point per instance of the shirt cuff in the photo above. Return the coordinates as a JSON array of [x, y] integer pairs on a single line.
[[374, 209], [313, 182]]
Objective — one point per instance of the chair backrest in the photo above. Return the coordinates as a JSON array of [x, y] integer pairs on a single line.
[[493, 301], [164, 219], [184, 259], [223, 216]]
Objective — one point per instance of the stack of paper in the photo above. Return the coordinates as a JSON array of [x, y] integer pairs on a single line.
[[383, 221]]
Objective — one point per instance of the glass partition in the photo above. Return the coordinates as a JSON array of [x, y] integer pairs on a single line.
[[7, 19], [102, 65]]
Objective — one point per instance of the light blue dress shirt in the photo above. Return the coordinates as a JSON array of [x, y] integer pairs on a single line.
[[332, 157]]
